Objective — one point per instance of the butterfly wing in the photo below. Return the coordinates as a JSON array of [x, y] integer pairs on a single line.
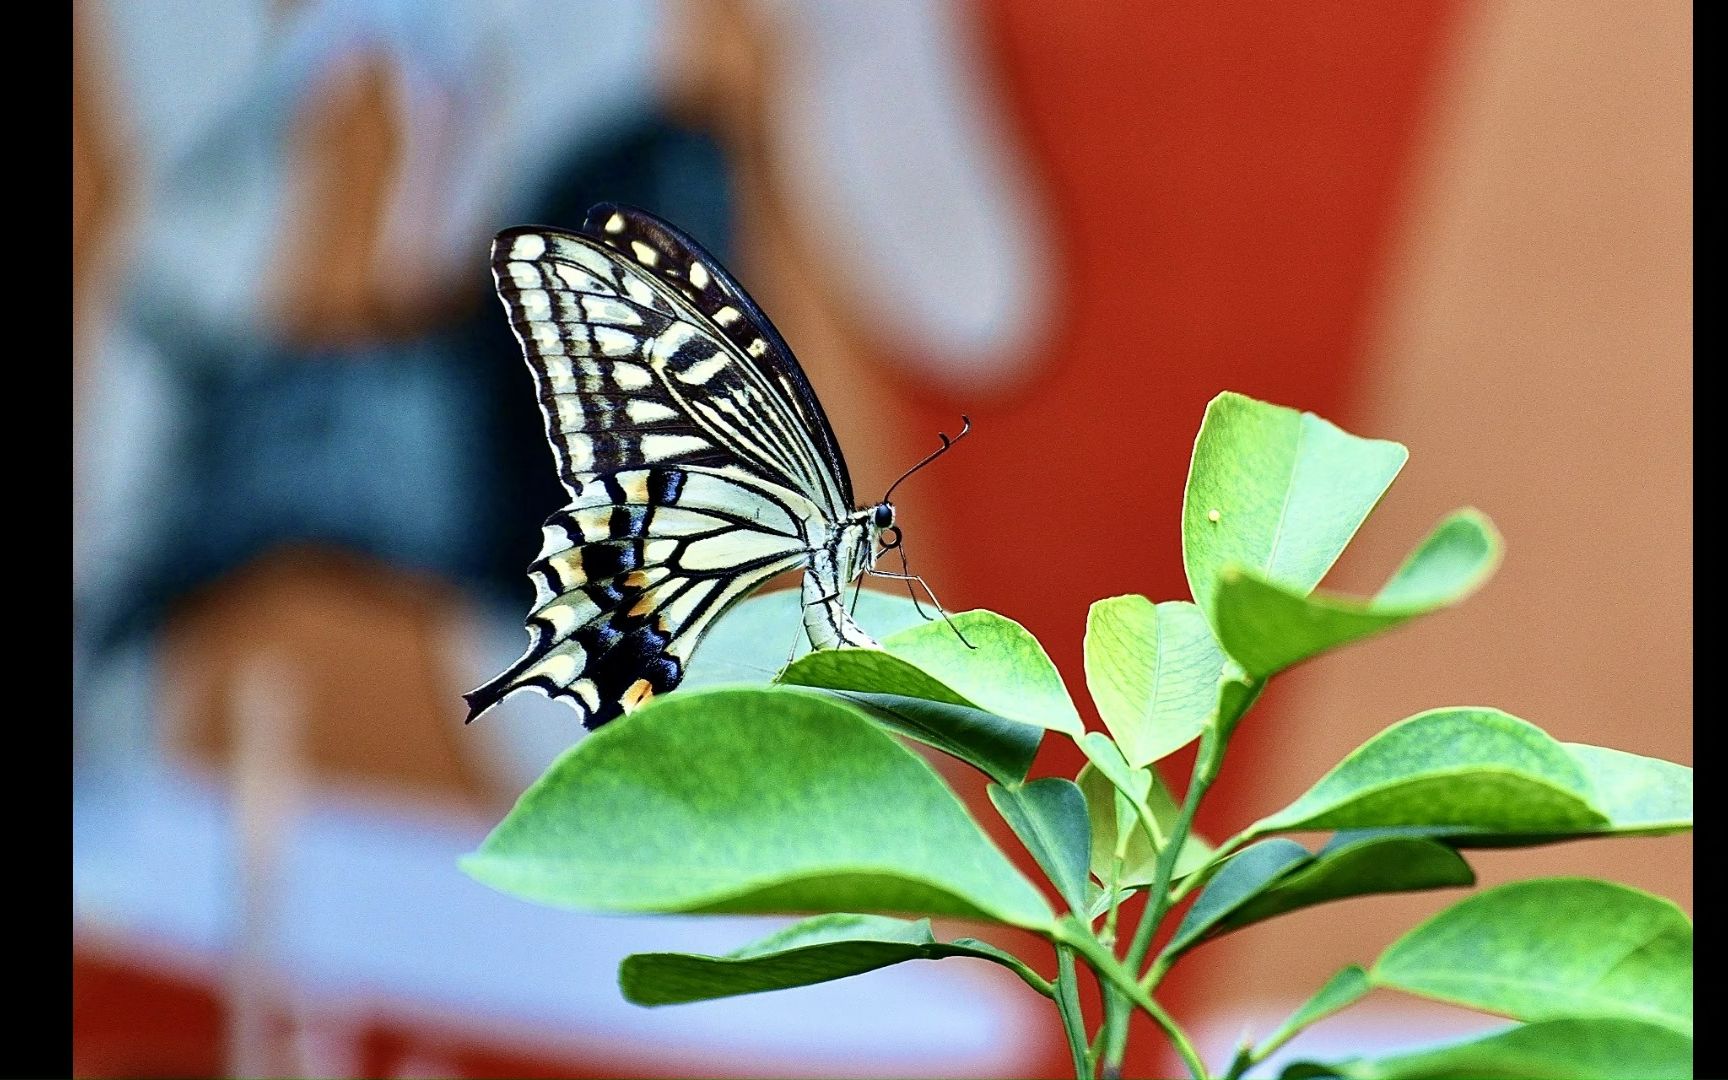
[[694, 472], [734, 316]]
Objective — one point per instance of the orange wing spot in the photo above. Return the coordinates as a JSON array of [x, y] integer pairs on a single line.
[[633, 698]]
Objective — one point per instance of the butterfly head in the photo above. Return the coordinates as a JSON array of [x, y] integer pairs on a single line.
[[882, 519]]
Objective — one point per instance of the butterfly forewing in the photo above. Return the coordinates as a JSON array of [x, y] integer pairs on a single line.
[[733, 316], [698, 461]]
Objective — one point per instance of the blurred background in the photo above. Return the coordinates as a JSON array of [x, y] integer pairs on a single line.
[[309, 470]]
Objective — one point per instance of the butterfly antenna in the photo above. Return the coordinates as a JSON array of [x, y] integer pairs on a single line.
[[947, 445]]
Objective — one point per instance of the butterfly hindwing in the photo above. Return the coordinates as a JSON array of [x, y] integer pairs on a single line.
[[631, 574]]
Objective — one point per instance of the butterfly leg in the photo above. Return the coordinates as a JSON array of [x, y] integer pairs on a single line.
[[909, 578]]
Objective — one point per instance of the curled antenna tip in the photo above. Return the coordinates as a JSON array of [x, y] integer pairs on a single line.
[[947, 444]]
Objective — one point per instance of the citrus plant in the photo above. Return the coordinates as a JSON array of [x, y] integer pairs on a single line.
[[799, 797]]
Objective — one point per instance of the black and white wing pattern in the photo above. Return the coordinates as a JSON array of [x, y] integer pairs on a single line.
[[697, 458]]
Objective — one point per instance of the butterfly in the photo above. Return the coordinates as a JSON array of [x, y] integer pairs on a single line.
[[698, 461]]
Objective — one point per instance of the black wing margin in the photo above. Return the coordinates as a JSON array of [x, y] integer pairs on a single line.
[[672, 256]]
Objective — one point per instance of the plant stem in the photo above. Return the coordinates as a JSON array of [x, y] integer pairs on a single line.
[[1206, 766], [1068, 1004], [1115, 1026], [1104, 963]]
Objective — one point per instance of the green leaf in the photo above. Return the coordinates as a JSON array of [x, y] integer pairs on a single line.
[[1001, 749], [1268, 626], [750, 800], [1049, 816], [1276, 491], [1468, 770], [1153, 671], [1552, 948], [1273, 877], [816, 950], [752, 641], [1597, 1048], [1114, 817], [1007, 672], [1639, 795], [1133, 784], [1242, 876], [1344, 989]]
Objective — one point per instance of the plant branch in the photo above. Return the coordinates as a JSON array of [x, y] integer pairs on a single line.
[[1105, 964], [1158, 900], [1067, 999]]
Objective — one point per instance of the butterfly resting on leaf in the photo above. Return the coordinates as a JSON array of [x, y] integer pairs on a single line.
[[698, 461]]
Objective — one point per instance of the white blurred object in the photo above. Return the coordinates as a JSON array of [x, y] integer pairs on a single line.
[[896, 149], [376, 921]]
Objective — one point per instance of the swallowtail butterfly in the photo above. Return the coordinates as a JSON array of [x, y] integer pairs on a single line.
[[697, 458]]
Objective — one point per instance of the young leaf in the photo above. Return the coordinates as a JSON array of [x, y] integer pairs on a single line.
[[750, 800], [1267, 626], [1153, 671], [1236, 695], [1007, 673], [1601, 1048], [1277, 876], [1243, 876], [1469, 770], [1113, 816], [1552, 948], [1639, 795], [1001, 749], [816, 950], [1049, 816], [1344, 989], [1277, 491]]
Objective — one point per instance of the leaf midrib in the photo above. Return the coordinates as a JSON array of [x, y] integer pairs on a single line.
[[1289, 490]]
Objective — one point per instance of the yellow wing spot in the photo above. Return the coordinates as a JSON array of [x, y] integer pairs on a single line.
[[727, 315], [699, 275], [646, 255], [589, 694], [615, 223], [757, 347], [633, 698], [634, 486]]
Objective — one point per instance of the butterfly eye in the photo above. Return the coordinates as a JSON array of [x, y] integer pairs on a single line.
[[884, 518]]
